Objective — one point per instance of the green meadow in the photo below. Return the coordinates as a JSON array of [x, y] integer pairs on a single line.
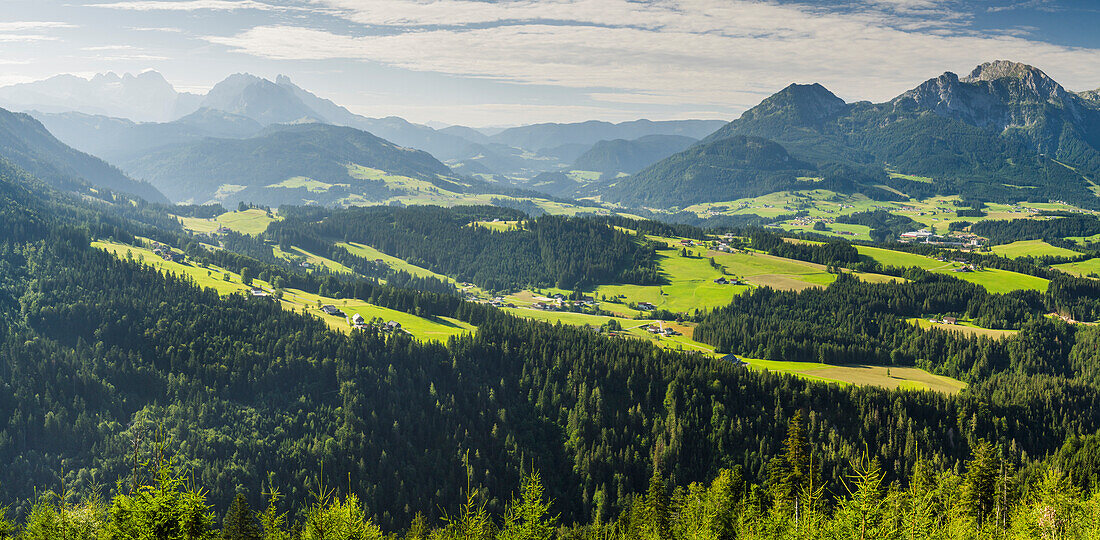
[[435, 329], [316, 260], [1032, 248], [1089, 268], [252, 221], [910, 378], [994, 280]]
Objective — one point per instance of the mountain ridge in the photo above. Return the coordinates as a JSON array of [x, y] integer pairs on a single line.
[[27, 144], [1003, 126]]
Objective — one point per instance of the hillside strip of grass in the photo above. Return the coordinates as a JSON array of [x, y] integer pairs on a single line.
[[428, 329], [994, 280], [1032, 248]]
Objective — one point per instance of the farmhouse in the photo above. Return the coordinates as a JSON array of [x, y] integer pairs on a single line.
[[722, 281], [646, 306], [257, 291], [393, 325], [733, 359], [330, 309], [949, 320]]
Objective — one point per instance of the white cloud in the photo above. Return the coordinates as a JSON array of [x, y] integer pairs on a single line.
[[719, 53], [188, 5], [17, 26], [29, 31]]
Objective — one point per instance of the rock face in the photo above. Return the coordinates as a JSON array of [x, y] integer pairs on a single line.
[[1008, 97]]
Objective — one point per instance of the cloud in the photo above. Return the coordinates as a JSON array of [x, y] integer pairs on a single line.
[[18, 26], [189, 5], [724, 54], [29, 31]]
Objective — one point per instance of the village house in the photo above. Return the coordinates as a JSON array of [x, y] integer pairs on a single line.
[[330, 309], [392, 326], [733, 359]]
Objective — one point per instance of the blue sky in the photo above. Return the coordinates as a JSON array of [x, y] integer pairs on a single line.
[[509, 62]]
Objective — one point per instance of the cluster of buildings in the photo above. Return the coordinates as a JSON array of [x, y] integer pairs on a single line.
[[558, 302], [359, 323], [167, 254], [945, 320], [659, 329], [728, 281], [925, 236]]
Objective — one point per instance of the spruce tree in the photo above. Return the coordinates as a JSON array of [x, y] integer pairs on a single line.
[[239, 523]]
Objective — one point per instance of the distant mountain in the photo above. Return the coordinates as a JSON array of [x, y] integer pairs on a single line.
[[1091, 96], [542, 136], [143, 97], [259, 99], [28, 145], [1007, 132], [624, 156], [468, 133], [117, 139], [288, 164], [721, 170]]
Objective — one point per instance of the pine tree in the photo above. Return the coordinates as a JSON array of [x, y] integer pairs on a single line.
[[527, 517], [789, 474], [980, 482], [239, 523]]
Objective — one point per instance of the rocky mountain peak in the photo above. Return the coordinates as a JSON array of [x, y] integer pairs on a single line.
[[1004, 69]]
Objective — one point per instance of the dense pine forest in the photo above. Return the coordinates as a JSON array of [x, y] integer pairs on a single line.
[[132, 400], [547, 251]]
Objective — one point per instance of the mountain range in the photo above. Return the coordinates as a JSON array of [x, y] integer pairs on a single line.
[[1006, 132], [98, 122], [146, 97], [26, 144]]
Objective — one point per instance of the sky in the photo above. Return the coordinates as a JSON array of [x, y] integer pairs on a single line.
[[509, 62]]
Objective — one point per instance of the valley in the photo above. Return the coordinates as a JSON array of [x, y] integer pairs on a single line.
[[815, 317]]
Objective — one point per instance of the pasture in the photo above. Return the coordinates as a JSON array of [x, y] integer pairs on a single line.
[[434, 329], [965, 328], [317, 261], [994, 280], [1032, 248], [1089, 268], [252, 221]]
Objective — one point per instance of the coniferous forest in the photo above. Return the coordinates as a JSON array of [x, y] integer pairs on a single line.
[[137, 404]]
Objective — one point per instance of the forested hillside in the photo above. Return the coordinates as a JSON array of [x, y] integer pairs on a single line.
[[105, 361], [542, 252], [284, 164], [26, 144]]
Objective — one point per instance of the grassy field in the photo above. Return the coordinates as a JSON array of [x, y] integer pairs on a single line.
[[501, 226], [252, 221], [994, 280], [437, 329], [1032, 248], [1087, 268], [311, 185], [911, 178], [964, 328], [315, 260], [691, 285], [862, 375], [368, 252]]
